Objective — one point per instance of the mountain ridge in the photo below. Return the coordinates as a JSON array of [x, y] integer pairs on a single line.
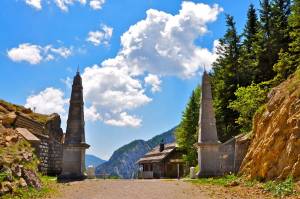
[[122, 163], [93, 160]]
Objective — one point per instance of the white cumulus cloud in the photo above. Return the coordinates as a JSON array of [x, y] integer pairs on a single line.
[[111, 92], [26, 52], [101, 36], [64, 4], [160, 45], [96, 4], [164, 44], [50, 100], [91, 114], [62, 51], [125, 120], [34, 54], [153, 81], [34, 3]]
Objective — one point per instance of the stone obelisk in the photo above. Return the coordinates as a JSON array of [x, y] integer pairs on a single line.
[[208, 142], [74, 145]]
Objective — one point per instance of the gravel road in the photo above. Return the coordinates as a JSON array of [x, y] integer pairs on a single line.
[[130, 189], [155, 189]]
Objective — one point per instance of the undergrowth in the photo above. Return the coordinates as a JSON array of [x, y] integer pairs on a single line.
[[277, 188], [225, 180], [49, 188], [281, 189]]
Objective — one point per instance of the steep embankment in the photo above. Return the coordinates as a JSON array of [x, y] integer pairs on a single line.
[[123, 161], [275, 148], [18, 164]]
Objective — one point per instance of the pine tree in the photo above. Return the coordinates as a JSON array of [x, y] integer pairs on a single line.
[[248, 70], [225, 79], [280, 11], [187, 131], [273, 36], [266, 57], [290, 60], [250, 29]]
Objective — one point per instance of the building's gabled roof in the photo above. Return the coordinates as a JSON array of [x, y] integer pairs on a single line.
[[156, 156]]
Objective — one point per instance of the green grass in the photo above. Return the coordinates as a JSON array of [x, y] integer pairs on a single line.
[[277, 188], [223, 181], [49, 188], [281, 189]]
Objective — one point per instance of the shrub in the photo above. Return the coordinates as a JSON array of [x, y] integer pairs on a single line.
[[248, 100], [281, 189]]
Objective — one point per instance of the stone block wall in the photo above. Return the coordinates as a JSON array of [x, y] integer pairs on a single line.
[[241, 148], [55, 151], [42, 153], [227, 154], [232, 154], [50, 149]]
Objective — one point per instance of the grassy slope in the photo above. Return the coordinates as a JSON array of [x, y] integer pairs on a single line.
[[17, 108]]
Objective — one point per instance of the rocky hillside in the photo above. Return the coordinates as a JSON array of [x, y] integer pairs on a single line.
[[18, 164], [18, 160], [7, 109], [274, 152], [123, 161]]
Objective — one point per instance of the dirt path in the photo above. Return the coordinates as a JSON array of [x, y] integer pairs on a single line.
[[149, 189], [130, 189]]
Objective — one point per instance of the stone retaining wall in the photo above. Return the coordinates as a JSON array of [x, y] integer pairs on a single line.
[[50, 148], [232, 154]]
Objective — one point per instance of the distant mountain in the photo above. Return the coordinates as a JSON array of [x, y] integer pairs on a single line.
[[123, 161], [93, 160]]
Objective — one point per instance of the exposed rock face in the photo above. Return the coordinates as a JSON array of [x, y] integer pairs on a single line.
[[123, 161], [45, 127], [31, 178], [274, 152], [18, 164]]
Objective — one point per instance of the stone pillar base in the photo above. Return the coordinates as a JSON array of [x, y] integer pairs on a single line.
[[73, 166], [208, 159]]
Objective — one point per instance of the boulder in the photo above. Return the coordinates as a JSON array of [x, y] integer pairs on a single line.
[[11, 138], [8, 119], [22, 183], [3, 110], [6, 187], [31, 178], [17, 170]]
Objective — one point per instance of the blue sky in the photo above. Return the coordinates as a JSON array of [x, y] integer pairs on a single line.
[[137, 80]]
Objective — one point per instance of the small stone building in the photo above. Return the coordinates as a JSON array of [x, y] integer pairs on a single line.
[[163, 161]]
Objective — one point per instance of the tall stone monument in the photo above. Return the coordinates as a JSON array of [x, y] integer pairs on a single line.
[[74, 145], [208, 142]]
